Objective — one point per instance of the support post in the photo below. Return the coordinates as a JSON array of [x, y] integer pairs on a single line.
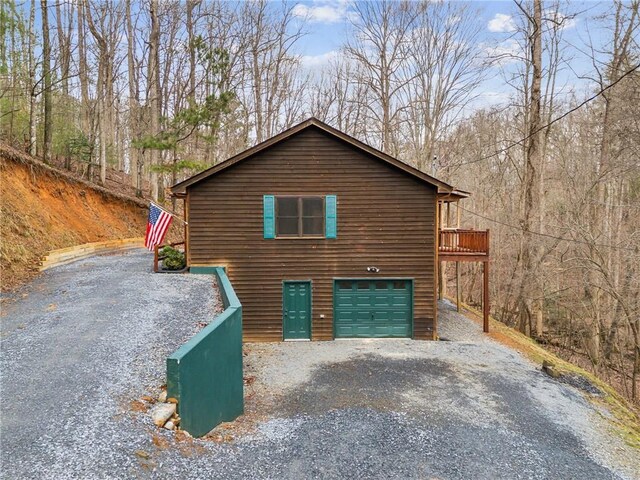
[[155, 259], [485, 297], [458, 293], [443, 280]]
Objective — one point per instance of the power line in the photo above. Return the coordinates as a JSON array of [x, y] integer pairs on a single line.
[[514, 227], [557, 119]]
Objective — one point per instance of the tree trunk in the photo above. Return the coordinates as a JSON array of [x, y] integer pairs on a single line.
[[153, 98], [134, 102], [101, 92], [46, 73], [529, 291], [84, 88]]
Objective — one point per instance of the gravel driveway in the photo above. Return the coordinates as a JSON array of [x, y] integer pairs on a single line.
[[90, 339]]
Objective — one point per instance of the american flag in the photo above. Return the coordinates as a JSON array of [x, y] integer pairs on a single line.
[[157, 226]]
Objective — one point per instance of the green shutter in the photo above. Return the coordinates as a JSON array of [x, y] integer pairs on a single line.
[[269, 216], [331, 216]]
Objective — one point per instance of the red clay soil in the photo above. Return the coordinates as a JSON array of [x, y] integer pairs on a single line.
[[42, 209]]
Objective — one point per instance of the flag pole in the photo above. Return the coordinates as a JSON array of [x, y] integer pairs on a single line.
[[167, 211]]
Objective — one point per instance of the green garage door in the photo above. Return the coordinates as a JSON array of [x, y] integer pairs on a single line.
[[372, 308]]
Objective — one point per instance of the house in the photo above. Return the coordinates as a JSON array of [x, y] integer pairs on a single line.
[[323, 237]]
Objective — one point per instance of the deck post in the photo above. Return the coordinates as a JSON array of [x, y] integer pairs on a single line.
[[485, 297], [458, 293], [155, 258], [443, 280]]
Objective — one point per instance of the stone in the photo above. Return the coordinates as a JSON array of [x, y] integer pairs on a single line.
[[172, 400], [142, 454], [162, 397], [162, 412], [550, 369], [169, 425]]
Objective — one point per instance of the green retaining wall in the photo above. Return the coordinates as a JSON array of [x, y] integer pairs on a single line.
[[205, 374]]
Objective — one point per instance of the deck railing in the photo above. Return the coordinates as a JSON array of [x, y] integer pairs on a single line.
[[459, 241]]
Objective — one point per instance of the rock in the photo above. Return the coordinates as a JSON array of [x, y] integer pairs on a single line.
[[162, 412], [162, 397], [169, 425], [176, 421], [172, 400], [142, 454], [550, 369]]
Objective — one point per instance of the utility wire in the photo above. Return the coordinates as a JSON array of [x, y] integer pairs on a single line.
[[557, 119], [514, 227]]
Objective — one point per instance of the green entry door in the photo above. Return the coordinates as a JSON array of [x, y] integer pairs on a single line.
[[296, 310], [372, 308]]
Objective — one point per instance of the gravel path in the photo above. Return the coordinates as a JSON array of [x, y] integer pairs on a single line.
[[78, 346], [91, 338]]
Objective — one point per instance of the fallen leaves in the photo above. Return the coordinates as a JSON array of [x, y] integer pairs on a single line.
[[138, 406]]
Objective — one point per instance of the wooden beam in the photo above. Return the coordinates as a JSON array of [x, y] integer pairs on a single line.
[[458, 293], [485, 297], [63, 256]]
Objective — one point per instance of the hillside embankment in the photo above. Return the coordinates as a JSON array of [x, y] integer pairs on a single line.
[[43, 208]]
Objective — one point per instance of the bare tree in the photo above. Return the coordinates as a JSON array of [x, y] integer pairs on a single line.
[[32, 81], [153, 92], [380, 44], [271, 66], [446, 68], [528, 295], [46, 74]]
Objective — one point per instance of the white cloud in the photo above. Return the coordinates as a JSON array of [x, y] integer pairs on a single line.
[[565, 22], [504, 53], [318, 61], [327, 11], [501, 23]]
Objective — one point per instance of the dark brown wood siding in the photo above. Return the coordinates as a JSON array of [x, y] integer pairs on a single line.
[[386, 218]]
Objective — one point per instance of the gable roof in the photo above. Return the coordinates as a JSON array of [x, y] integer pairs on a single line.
[[179, 189]]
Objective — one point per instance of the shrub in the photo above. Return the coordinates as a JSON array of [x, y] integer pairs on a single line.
[[172, 259]]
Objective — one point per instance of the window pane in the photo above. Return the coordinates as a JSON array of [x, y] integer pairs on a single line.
[[363, 285], [399, 285], [312, 226], [287, 206], [381, 285], [344, 285], [287, 226], [312, 207]]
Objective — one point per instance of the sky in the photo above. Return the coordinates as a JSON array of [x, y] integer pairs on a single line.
[[328, 27]]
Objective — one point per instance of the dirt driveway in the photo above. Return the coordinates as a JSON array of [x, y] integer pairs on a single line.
[[88, 341]]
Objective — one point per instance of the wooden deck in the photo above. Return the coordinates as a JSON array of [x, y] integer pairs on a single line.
[[456, 245], [459, 245]]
